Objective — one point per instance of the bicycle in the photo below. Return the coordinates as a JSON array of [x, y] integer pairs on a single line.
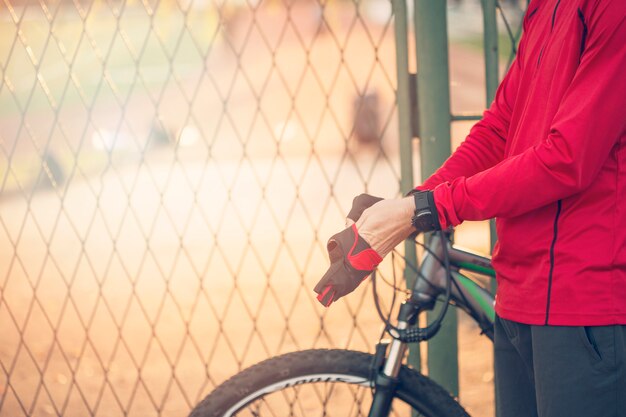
[[341, 379]]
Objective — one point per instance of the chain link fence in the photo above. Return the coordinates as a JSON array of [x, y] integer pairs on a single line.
[[169, 173]]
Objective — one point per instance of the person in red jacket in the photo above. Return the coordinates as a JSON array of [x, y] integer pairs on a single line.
[[548, 161]]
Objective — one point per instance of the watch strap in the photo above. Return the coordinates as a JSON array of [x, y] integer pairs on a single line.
[[425, 217]]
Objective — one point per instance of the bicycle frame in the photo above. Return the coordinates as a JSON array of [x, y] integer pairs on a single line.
[[431, 282], [467, 295]]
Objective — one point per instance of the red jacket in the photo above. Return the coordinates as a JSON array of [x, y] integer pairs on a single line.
[[548, 160]]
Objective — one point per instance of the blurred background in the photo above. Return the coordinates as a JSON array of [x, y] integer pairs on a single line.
[[169, 174]]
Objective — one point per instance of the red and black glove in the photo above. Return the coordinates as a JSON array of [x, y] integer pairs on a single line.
[[360, 203], [351, 257], [351, 261]]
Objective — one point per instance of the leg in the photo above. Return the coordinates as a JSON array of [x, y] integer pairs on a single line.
[[580, 371], [515, 388]]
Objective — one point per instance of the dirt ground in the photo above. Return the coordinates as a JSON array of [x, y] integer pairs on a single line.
[[148, 278]]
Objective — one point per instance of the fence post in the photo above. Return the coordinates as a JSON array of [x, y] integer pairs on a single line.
[[434, 121], [490, 40], [403, 97], [491, 48]]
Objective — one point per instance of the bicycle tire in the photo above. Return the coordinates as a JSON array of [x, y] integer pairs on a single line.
[[320, 366]]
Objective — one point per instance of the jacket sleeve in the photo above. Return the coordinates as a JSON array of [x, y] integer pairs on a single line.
[[589, 121], [484, 146]]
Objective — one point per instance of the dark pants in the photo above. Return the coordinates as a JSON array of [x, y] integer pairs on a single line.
[[560, 371]]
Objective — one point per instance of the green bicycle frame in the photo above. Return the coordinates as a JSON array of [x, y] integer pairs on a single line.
[[465, 293]]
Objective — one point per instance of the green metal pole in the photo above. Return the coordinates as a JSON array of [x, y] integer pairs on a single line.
[[405, 137], [434, 120], [491, 48], [403, 96], [490, 30], [433, 81], [490, 25]]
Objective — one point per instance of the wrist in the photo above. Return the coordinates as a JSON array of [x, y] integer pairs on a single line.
[[408, 204]]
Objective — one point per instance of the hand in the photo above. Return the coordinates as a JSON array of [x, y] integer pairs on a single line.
[[387, 223], [351, 258], [356, 251], [359, 204], [351, 261]]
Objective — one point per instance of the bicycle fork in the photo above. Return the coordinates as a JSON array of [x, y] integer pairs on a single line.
[[386, 379]]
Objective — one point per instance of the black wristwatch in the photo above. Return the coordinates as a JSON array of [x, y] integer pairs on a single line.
[[425, 218]]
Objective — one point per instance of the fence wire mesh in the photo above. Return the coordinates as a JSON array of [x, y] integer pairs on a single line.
[[170, 171]]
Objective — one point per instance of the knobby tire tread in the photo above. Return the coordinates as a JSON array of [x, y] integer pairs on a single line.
[[412, 384]]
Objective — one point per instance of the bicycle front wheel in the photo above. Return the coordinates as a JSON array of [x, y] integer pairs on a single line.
[[320, 383]]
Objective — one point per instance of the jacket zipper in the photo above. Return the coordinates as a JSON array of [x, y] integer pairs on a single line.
[[554, 237], [559, 203]]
